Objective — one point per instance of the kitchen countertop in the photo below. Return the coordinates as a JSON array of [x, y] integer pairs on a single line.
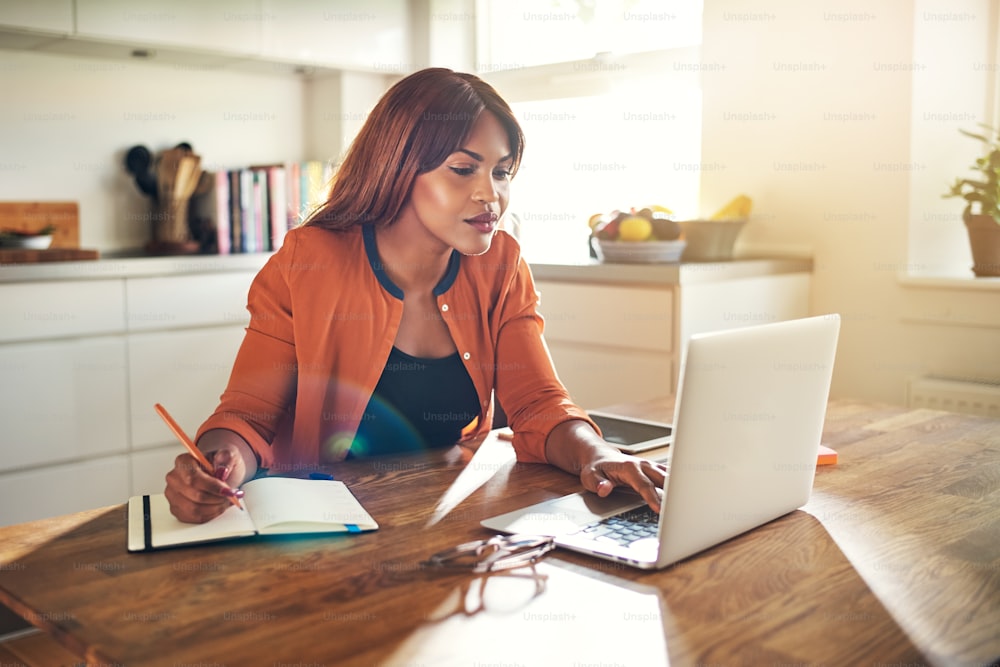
[[111, 266], [586, 271], [685, 273]]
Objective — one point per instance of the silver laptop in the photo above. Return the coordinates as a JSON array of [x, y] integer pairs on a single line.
[[747, 427]]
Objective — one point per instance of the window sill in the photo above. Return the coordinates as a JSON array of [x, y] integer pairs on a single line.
[[950, 282], [950, 300]]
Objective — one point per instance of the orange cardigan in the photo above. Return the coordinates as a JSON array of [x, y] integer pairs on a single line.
[[323, 318]]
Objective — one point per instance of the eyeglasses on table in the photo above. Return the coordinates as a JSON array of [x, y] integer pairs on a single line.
[[500, 552]]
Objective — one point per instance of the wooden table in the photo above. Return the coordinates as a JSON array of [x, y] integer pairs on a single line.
[[895, 560]]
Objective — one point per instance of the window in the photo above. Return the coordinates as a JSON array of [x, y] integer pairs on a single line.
[[608, 96], [633, 147], [955, 86]]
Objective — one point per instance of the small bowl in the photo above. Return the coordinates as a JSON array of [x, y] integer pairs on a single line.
[[710, 240], [37, 242], [637, 252]]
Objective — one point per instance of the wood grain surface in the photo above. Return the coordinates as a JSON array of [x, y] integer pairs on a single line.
[[31, 216], [895, 560], [29, 256]]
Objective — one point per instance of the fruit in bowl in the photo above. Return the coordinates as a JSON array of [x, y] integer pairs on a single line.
[[666, 229], [635, 228], [651, 223], [645, 235], [606, 226]]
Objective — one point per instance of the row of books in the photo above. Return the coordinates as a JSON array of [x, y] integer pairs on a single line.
[[254, 207]]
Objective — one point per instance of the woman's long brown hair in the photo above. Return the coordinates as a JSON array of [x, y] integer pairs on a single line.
[[419, 122]]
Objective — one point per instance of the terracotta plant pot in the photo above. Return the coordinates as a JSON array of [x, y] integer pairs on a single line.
[[984, 239]]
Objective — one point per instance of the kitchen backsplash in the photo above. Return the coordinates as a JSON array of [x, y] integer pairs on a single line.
[[70, 120]]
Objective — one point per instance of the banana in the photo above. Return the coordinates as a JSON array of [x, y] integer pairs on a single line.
[[738, 208]]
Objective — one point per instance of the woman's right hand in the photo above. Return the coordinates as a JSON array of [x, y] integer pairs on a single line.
[[194, 495]]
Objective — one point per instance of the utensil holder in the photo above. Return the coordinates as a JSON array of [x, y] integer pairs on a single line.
[[171, 231]]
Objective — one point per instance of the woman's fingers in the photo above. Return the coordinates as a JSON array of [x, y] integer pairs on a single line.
[[642, 476]]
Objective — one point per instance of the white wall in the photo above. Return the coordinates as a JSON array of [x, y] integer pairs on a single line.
[[67, 121], [337, 105], [810, 109], [953, 89], [815, 109]]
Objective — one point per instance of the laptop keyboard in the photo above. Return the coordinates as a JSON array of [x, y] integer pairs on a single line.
[[626, 527]]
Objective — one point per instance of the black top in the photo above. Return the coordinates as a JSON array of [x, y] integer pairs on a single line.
[[418, 404]]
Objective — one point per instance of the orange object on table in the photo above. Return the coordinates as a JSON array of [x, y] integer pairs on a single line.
[[827, 456]]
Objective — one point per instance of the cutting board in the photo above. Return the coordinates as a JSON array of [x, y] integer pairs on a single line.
[[31, 216], [28, 256]]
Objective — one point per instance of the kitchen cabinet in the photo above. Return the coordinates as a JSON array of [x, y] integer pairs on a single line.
[[86, 349], [349, 34], [61, 309], [224, 26], [730, 304], [617, 333], [85, 359], [610, 340], [62, 351], [185, 370], [185, 301], [184, 331], [148, 469], [50, 16], [62, 489], [62, 400], [363, 35]]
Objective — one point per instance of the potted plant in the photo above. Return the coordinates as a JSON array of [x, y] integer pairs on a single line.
[[982, 209]]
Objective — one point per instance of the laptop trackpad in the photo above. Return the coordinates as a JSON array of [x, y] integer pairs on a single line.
[[560, 516]]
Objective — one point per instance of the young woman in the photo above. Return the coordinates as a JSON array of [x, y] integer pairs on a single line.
[[391, 318]]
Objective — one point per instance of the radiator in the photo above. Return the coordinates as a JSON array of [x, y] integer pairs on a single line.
[[977, 397]]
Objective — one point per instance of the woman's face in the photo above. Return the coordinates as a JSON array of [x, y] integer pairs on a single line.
[[461, 201]]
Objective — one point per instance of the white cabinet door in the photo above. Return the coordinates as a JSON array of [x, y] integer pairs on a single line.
[[613, 315], [610, 343], [173, 302], [731, 304], [63, 489], [186, 371], [62, 400], [57, 309], [370, 35], [55, 16], [597, 376], [223, 26], [150, 468]]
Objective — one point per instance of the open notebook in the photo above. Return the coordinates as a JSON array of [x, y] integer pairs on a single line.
[[272, 506]]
